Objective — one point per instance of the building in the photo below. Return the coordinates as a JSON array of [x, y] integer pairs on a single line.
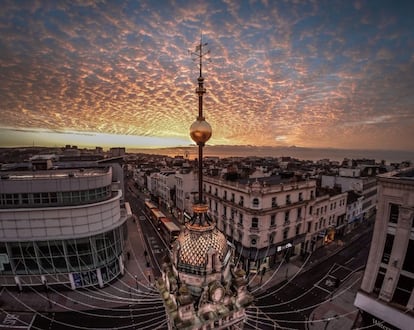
[[186, 190], [326, 218], [360, 180], [265, 219], [386, 296], [62, 226], [201, 286], [354, 213]]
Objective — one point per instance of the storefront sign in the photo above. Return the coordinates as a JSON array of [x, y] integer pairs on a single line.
[[283, 247]]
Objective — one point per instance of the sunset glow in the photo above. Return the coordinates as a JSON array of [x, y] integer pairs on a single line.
[[118, 73]]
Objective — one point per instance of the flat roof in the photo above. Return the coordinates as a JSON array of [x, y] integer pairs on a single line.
[[51, 174]]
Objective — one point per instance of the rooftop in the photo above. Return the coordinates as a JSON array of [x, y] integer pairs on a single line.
[[52, 174]]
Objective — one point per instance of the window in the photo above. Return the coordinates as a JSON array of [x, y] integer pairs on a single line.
[[310, 209], [379, 280], [300, 197], [299, 213], [311, 194], [224, 210], [225, 195], [288, 199], [255, 202], [297, 230], [232, 197], [241, 202], [255, 223], [403, 290], [309, 227], [287, 216], [253, 241], [286, 233], [272, 219], [389, 241], [274, 202], [272, 238], [241, 218], [409, 257], [394, 211]]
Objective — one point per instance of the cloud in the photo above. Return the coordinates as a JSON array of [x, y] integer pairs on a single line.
[[302, 71]]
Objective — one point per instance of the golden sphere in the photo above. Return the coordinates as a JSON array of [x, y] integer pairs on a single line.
[[200, 131]]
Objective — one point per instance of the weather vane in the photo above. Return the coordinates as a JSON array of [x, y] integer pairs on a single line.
[[199, 53]]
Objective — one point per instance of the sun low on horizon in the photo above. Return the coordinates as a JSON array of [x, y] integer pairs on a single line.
[[118, 73]]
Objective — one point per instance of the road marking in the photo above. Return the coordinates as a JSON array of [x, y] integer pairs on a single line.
[[349, 260]]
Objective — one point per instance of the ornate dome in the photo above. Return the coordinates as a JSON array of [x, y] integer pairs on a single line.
[[196, 242]]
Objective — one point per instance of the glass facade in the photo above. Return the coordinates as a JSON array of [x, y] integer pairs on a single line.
[[42, 199], [80, 255]]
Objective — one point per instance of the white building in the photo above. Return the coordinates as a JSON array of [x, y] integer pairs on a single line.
[[61, 226], [386, 296], [354, 212], [186, 191], [265, 219], [326, 219], [351, 179]]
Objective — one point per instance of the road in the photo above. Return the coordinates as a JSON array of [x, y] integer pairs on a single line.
[[289, 304]]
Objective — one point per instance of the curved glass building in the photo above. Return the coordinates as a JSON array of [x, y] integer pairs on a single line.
[[61, 226]]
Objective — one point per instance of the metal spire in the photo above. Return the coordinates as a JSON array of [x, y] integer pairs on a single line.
[[200, 132]]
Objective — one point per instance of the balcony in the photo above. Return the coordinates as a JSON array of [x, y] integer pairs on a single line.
[[254, 229]]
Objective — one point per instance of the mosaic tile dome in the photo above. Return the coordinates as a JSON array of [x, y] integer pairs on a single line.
[[195, 242]]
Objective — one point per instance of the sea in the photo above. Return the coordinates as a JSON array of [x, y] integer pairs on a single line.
[[314, 154]]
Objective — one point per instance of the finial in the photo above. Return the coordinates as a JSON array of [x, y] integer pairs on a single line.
[[199, 53]]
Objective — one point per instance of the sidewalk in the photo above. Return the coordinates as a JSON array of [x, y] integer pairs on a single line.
[[275, 276], [126, 289], [339, 312]]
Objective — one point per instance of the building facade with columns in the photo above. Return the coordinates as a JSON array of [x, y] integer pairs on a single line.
[[386, 296]]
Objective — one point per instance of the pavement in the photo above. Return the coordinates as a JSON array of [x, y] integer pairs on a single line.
[[137, 283], [337, 313]]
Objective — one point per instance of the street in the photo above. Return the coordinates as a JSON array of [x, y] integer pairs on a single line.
[[289, 304], [138, 305]]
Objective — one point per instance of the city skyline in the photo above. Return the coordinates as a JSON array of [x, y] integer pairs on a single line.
[[328, 74]]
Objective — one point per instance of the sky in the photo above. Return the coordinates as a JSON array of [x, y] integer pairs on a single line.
[[322, 73]]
